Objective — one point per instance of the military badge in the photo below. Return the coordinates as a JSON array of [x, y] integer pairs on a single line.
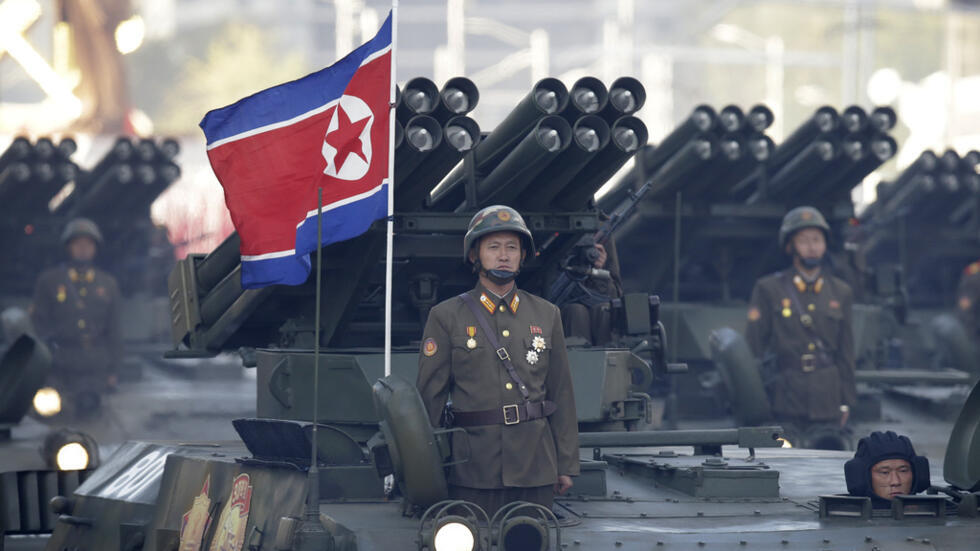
[[62, 293], [834, 304], [503, 215], [532, 357], [964, 303], [537, 343], [786, 309], [754, 314], [429, 347], [535, 330], [818, 286], [486, 302], [471, 333], [230, 534], [196, 520], [515, 302]]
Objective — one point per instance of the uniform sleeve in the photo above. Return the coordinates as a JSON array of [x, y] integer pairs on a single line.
[[846, 340], [758, 328], [435, 367], [41, 309], [564, 421], [967, 295], [114, 328]]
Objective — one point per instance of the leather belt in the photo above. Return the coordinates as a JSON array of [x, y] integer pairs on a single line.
[[508, 415]]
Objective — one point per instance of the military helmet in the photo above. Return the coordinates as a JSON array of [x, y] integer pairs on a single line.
[[81, 226], [798, 219], [493, 219], [879, 446]]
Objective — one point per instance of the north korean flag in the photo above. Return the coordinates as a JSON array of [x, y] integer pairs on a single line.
[[272, 150]]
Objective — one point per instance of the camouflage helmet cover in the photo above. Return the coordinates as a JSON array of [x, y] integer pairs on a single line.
[[798, 219], [81, 226], [496, 218]]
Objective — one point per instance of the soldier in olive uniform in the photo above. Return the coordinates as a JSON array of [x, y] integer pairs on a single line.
[[76, 309], [519, 413], [800, 318], [968, 299]]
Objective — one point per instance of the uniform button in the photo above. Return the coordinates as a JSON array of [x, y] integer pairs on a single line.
[[502, 307], [505, 332], [811, 346], [81, 324], [811, 307], [508, 386], [83, 291]]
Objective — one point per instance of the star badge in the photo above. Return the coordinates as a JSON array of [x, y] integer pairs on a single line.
[[347, 141], [532, 357], [538, 343]]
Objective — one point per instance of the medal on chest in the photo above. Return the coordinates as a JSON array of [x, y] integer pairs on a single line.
[[471, 332], [786, 310]]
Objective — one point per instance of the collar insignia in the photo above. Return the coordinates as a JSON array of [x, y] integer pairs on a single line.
[[514, 303], [487, 303]]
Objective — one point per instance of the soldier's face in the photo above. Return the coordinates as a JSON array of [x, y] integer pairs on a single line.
[[501, 251], [809, 243], [82, 248], [891, 477]]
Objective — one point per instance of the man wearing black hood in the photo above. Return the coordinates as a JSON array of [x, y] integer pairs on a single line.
[[801, 319], [885, 466]]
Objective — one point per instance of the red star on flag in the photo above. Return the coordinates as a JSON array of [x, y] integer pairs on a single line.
[[346, 138]]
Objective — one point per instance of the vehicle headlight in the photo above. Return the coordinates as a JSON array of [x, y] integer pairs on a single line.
[[47, 402], [72, 457], [454, 534], [70, 450]]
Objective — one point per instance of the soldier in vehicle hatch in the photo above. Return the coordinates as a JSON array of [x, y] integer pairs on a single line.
[[884, 466], [76, 310], [589, 318], [799, 323], [496, 355]]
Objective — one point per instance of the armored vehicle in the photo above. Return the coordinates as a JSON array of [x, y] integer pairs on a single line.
[[341, 455]]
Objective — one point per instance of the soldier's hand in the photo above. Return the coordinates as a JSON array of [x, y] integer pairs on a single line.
[[844, 416], [603, 256], [563, 484]]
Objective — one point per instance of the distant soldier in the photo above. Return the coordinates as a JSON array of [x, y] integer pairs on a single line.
[[968, 299], [799, 322], [498, 355], [590, 318], [76, 309]]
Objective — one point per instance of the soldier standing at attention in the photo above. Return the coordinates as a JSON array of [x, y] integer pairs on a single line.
[[968, 299], [801, 319], [76, 309], [497, 354]]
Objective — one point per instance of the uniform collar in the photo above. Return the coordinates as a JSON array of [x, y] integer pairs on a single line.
[[802, 285], [81, 273], [493, 304]]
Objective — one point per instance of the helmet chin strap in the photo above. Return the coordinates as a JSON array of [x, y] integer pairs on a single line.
[[809, 263], [498, 277]]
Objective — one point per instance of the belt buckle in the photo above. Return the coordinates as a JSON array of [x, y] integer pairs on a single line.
[[809, 362], [502, 354], [517, 414]]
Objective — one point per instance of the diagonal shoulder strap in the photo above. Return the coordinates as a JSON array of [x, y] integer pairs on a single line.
[[481, 318]]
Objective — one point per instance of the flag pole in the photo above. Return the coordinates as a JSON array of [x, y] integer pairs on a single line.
[[311, 534], [391, 189]]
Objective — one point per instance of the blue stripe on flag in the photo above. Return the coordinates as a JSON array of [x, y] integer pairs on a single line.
[[291, 99], [344, 222]]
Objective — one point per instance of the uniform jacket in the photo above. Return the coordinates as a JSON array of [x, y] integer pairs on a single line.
[[527, 454], [77, 309], [808, 385], [968, 298]]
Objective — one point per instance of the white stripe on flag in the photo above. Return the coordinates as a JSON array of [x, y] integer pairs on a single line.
[[345, 201], [297, 118], [266, 256]]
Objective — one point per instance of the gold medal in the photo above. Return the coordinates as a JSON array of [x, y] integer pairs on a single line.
[[787, 312], [471, 343], [471, 332]]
